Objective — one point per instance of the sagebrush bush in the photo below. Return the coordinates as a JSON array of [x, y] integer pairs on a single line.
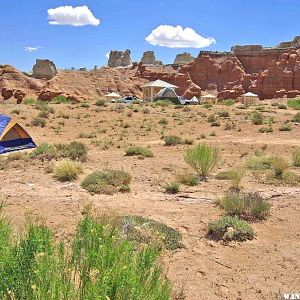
[[151, 232], [187, 179], [172, 188], [74, 150], [285, 127], [107, 182], [296, 158], [171, 140], [38, 122], [101, 102], [230, 229], [236, 177], [100, 263], [203, 159], [257, 118], [259, 163], [140, 151], [279, 165], [67, 170], [250, 206], [296, 118]]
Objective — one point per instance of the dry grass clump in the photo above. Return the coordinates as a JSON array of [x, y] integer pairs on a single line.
[[172, 140], [230, 228], [67, 170], [172, 188], [187, 179], [296, 158], [107, 182], [38, 122]]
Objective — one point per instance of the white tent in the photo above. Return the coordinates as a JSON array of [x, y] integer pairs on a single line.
[[193, 101], [113, 96], [152, 88], [209, 98], [249, 99]]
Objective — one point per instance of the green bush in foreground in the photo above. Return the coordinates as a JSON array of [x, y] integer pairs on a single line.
[[230, 229], [140, 151], [294, 103], [249, 206], [203, 159], [107, 182], [100, 264], [67, 170]]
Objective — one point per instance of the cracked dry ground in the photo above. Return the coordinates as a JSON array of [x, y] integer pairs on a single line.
[[204, 269]]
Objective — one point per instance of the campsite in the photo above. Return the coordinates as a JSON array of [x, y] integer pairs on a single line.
[[201, 266]]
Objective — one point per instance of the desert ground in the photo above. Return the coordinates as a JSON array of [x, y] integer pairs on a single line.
[[262, 268]]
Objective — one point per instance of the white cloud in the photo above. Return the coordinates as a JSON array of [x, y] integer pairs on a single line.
[[74, 16], [107, 54], [31, 49], [178, 37]]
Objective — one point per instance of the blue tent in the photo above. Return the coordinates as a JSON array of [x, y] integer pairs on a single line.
[[13, 137]]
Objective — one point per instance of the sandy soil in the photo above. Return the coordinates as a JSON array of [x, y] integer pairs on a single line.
[[203, 269]]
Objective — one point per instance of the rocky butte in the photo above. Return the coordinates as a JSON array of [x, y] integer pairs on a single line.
[[119, 58], [44, 69], [149, 59], [183, 58]]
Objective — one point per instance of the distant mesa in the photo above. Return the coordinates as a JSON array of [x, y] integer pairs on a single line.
[[183, 58], [44, 68], [149, 59], [119, 58]]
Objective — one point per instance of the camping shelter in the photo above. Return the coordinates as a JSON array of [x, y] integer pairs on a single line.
[[151, 89], [167, 94], [249, 99], [209, 99], [13, 137], [112, 96]]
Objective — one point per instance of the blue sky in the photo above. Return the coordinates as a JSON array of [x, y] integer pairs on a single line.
[[126, 24]]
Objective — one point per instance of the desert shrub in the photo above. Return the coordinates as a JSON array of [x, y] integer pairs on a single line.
[[290, 178], [235, 176], [73, 150], [100, 102], [187, 179], [282, 106], [226, 175], [265, 129], [2, 164], [216, 124], [60, 100], [85, 105], [249, 206], [285, 127], [294, 103], [223, 114], [188, 141], [67, 170], [151, 232], [296, 158], [28, 101], [171, 140], [230, 229], [211, 119], [257, 118], [43, 114], [279, 165], [172, 188], [163, 103], [163, 121], [228, 102], [38, 122], [140, 151], [16, 156], [100, 264], [259, 163], [107, 182], [203, 159], [296, 118]]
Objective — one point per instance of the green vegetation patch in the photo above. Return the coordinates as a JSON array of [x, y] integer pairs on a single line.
[[107, 182], [294, 103], [139, 151]]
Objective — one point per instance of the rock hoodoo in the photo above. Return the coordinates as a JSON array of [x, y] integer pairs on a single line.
[[148, 58], [44, 68], [183, 58], [119, 58]]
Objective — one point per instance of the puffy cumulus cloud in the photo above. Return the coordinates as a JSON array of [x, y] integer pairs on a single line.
[[31, 49], [74, 16], [178, 37]]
